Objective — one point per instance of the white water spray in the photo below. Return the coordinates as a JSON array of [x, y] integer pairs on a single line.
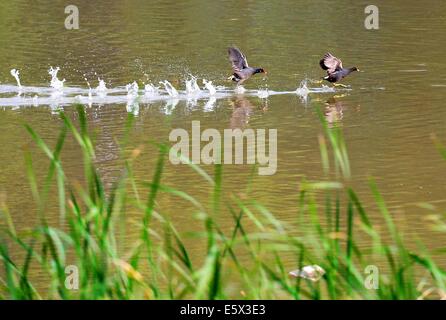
[[240, 90], [15, 73], [263, 93], [210, 104], [170, 106], [132, 101], [101, 87], [210, 87], [64, 95], [192, 87], [150, 90], [132, 90], [55, 82], [303, 88], [169, 88], [132, 107], [90, 95]]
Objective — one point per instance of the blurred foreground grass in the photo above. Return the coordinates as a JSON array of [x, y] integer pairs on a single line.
[[158, 264]]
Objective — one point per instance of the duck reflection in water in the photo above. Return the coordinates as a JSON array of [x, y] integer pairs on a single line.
[[334, 111], [242, 110]]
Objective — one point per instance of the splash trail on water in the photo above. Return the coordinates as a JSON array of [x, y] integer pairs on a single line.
[[58, 94]]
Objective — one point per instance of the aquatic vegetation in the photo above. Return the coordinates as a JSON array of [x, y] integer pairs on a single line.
[[245, 260]]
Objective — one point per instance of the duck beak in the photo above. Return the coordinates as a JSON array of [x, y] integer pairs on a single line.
[[265, 72]]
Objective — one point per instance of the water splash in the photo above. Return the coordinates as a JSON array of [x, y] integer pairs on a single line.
[[210, 104], [55, 108], [101, 87], [150, 90], [192, 87], [55, 82], [303, 88], [240, 89], [191, 104], [132, 90], [90, 95], [210, 87], [88, 83], [323, 89], [326, 88], [170, 106], [56, 95], [132, 107], [263, 93], [169, 88], [192, 93], [15, 73], [78, 99]]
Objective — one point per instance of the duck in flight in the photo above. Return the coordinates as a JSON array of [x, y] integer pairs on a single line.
[[335, 71], [242, 71]]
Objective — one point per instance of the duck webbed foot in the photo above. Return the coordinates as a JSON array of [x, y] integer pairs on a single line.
[[340, 85], [337, 96]]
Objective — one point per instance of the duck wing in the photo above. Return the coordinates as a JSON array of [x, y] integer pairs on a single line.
[[237, 58], [330, 63]]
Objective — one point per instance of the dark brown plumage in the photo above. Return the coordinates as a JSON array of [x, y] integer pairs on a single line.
[[242, 71], [335, 71]]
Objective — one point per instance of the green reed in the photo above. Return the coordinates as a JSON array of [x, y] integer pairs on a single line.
[[248, 260]]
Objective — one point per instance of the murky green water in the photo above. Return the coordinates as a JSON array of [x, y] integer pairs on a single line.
[[388, 116]]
